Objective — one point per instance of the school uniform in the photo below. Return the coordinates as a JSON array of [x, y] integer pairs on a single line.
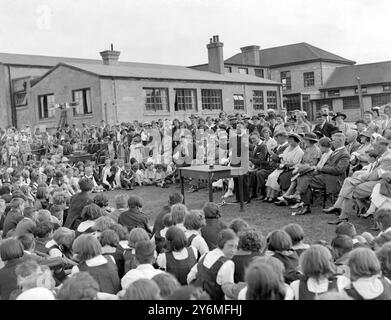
[[211, 272], [178, 263], [195, 240], [143, 271], [211, 231], [291, 262], [241, 262], [310, 288], [371, 288], [103, 270], [8, 279]]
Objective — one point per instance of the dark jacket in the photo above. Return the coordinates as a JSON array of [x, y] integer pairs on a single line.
[[11, 221], [134, 219], [8, 279], [327, 129], [259, 155], [211, 231], [76, 205], [158, 225]]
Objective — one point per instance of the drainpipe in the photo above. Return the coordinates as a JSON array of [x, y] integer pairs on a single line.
[[13, 110]]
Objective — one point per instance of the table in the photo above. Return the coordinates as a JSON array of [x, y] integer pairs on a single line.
[[218, 172], [75, 158]]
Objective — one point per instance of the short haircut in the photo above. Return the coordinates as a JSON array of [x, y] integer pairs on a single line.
[[384, 257], [325, 142], [136, 235], [142, 289], [109, 238], [145, 252], [101, 200], [316, 262], [383, 216], [11, 249], [340, 136], [167, 284], [43, 216], [342, 243], [238, 225], [16, 203], [64, 236], [167, 220], [279, 240], [346, 228], [251, 240], [178, 212], [295, 231], [28, 212], [103, 223], [91, 212], [43, 229], [224, 236], [120, 201], [263, 283], [86, 185], [194, 220], [175, 198], [122, 231], [175, 239], [135, 202], [27, 240], [81, 286], [363, 263], [57, 211], [275, 263], [86, 247], [266, 129]]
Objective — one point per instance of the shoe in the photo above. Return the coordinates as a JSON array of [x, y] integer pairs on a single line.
[[338, 221], [271, 200], [292, 198], [282, 203], [228, 194], [266, 199], [305, 210], [260, 198], [281, 198], [332, 210], [297, 205]]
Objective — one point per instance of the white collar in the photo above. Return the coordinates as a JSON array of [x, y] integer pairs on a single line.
[[340, 148]]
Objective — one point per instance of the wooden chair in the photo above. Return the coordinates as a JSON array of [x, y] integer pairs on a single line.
[[323, 193]]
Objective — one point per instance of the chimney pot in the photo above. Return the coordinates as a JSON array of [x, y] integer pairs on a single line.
[[215, 55], [110, 57], [251, 55]]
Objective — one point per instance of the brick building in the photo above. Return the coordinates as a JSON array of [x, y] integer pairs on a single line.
[[118, 92], [302, 69]]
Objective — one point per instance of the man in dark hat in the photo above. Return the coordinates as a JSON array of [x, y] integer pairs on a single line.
[[324, 126], [368, 119], [258, 158], [339, 119]]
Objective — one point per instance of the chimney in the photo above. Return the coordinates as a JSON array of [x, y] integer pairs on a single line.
[[251, 55], [110, 57], [215, 55]]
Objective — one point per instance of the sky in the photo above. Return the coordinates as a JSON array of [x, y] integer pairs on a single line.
[[177, 31]]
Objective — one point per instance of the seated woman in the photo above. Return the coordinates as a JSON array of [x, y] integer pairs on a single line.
[[179, 257], [194, 221], [310, 159], [88, 252], [296, 233], [289, 158], [359, 158], [87, 220]]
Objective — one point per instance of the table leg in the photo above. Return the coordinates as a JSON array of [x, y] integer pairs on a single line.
[[241, 192], [182, 186], [210, 188]]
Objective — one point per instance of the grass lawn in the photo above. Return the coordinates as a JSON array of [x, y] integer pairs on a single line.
[[264, 216]]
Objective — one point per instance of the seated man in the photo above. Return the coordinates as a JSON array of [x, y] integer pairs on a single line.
[[269, 166], [330, 177], [258, 160], [360, 186]]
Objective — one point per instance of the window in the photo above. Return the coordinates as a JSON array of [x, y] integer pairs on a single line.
[[286, 80], [380, 99], [292, 102], [185, 99], [309, 79], [333, 93], [20, 98], [321, 103], [363, 90], [83, 99], [227, 69], [156, 99], [243, 70], [238, 102], [351, 103], [46, 106], [272, 99], [211, 99], [387, 87], [258, 103], [259, 73]]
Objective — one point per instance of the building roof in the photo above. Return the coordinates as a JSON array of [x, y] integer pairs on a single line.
[[291, 54], [163, 72], [370, 73]]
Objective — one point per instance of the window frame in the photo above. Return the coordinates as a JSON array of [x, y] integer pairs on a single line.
[[387, 85], [306, 85], [41, 111], [228, 69], [335, 94], [211, 100], [154, 98], [363, 90], [287, 85], [193, 108], [85, 104], [243, 68], [345, 105], [262, 72], [258, 101], [268, 103], [25, 101], [239, 97]]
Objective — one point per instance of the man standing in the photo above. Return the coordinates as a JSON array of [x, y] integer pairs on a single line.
[[325, 127]]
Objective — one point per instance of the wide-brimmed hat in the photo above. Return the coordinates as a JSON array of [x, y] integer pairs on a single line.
[[294, 136], [311, 137], [281, 133], [366, 133], [319, 134], [339, 114]]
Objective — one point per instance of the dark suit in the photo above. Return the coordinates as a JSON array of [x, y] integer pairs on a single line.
[[353, 146], [76, 205], [259, 158], [268, 167], [326, 129], [330, 177], [134, 219]]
